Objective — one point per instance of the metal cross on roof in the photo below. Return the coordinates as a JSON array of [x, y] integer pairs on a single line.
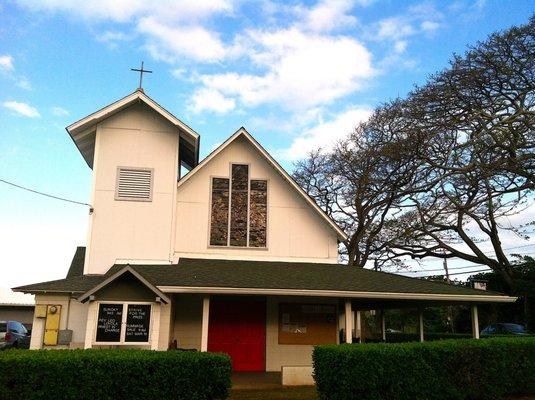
[[141, 71]]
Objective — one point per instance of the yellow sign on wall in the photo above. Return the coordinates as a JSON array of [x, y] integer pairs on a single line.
[[53, 316], [40, 311]]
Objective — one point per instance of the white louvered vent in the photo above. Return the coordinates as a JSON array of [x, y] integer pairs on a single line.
[[134, 184]]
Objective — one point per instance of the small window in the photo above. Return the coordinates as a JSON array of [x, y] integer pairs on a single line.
[[134, 184]]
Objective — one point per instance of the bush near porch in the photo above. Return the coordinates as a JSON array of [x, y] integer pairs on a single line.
[[450, 369], [432, 336], [113, 374], [415, 337]]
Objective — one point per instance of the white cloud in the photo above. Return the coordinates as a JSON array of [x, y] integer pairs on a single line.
[[22, 109], [24, 83], [6, 63], [113, 38], [303, 70], [429, 26], [418, 19], [325, 134], [327, 15], [395, 31], [400, 46], [179, 73], [128, 10], [394, 28], [60, 112], [211, 100], [173, 28], [169, 42]]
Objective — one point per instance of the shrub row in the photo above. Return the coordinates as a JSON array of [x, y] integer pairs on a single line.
[[430, 337], [415, 337], [113, 374], [450, 369]]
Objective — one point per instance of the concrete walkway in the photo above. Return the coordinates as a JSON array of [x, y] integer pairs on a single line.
[[256, 380]]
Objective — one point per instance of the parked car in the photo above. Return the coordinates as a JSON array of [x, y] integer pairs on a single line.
[[14, 334], [504, 329]]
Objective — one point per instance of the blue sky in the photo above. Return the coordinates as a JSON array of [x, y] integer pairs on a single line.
[[296, 74]]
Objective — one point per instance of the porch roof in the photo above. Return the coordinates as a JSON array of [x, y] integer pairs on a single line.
[[194, 275]]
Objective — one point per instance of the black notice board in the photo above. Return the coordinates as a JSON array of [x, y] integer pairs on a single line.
[[137, 323], [109, 322]]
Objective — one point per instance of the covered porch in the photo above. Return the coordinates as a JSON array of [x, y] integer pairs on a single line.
[[266, 315], [268, 333]]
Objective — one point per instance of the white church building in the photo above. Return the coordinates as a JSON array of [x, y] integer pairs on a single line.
[[233, 256]]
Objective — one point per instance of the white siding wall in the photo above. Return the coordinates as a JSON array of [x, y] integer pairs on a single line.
[[187, 322], [132, 230], [295, 231], [73, 318]]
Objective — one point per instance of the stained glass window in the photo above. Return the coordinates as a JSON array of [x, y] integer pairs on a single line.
[[219, 219], [258, 214], [238, 205], [247, 214]]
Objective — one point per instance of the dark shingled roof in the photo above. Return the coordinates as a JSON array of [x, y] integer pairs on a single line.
[[77, 284], [190, 272], [77, 263]]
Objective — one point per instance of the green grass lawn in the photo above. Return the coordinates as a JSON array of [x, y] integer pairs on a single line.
[[291, 393]]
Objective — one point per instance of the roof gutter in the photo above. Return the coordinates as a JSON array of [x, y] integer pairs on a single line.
[[476, 298]]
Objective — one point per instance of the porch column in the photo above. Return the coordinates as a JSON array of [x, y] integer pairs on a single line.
[[358, 326], [91, 323], [421, 323], [475, 322], [383, 325], [205, 319], [155, 328], [349, 325]]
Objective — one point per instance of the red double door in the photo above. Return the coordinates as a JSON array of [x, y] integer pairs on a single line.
[[238, 327]]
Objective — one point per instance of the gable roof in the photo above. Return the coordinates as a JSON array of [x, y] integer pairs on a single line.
[[242, 132], [83, 131], [121, 272], [193, 275]]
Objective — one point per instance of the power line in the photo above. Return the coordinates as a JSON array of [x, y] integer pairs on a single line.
[[451, 273], [487, 269], [442, 269], [424, 265], [45, 194], [455, 273], [460, 273], [519, 247]]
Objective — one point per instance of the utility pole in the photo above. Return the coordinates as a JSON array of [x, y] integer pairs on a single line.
[[445, 263], [449, 309]]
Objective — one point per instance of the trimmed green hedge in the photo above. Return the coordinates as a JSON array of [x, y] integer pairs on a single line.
[[430, 337], [113, 374], [450, 369], [415, 337]]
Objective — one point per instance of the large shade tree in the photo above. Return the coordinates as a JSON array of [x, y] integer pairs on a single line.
[[439, 173]]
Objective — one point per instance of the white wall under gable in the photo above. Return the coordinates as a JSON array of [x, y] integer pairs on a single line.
[[132, 230], [295, 230]]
